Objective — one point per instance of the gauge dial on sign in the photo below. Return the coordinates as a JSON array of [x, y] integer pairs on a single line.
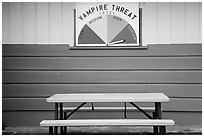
[[107, 29]]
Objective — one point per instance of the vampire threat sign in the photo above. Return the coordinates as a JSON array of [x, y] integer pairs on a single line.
[[107, 24]]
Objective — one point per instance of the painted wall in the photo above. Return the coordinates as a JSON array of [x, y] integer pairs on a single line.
[[47, 23], [31, 73]]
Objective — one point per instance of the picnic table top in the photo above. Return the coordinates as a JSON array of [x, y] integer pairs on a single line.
[[108, 97]]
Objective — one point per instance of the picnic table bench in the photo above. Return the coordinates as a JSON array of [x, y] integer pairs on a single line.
[[60, 120]]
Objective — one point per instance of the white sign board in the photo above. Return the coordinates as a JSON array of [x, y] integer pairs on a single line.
[[107, 24]]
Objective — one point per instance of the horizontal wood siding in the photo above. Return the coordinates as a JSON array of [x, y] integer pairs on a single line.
[[97, 77], [43, 50], [45, 90], [102, 63], [31, 73]]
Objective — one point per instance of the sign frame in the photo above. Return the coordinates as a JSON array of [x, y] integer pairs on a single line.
[[139, 36]]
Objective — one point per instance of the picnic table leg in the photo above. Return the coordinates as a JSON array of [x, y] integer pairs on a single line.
[[51, 130], [65, 128], [155, 128], [162, 129], [125, 110], [61, 117], [56, 117]]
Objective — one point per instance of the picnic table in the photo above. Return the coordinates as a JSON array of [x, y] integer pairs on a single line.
[[60, 119]]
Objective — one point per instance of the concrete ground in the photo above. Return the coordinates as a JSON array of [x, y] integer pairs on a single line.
[[105, 130]]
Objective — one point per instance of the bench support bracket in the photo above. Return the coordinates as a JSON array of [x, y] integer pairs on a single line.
[[75, 110], [145, 113]]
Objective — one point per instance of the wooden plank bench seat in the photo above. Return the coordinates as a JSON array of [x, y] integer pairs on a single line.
[[105, 122]]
